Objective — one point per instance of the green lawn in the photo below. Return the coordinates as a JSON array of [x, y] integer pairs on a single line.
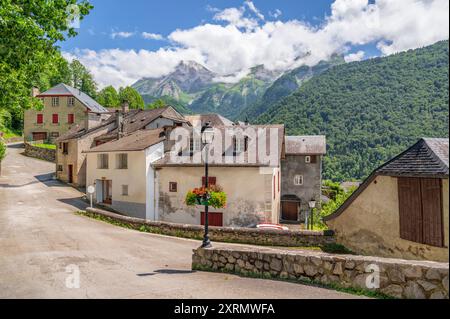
[[48, 146]]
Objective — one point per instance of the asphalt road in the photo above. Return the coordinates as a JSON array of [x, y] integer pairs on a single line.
[[43, 244]]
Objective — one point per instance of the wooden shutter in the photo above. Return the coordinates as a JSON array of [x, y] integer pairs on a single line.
[[410, 209], [313, 159], [211, 180], [432, 211]]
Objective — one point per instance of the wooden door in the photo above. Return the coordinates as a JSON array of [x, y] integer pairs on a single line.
[[70, 173], [410, 209], [289, 210], [214, 219], [39, 136], [432, 218], [107, 191]]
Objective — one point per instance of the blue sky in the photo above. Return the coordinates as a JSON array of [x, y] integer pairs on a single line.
[[122, 41]]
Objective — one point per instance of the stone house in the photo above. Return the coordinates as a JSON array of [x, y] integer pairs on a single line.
[[71, 147], [402, 209], [301, 175], [64, 108]]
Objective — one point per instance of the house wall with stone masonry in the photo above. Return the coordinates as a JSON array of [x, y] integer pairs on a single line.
[[371, 224], [397, 277]]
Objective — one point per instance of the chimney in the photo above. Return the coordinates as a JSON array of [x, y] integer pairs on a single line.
[[125, 107], [35, 91], [119, 124]]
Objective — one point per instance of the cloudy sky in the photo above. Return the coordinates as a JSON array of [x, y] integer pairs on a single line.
[[123, 41]]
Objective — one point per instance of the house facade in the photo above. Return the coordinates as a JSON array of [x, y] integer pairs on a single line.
[[64, 108], [301, 175], [402, 209], [71, 147]]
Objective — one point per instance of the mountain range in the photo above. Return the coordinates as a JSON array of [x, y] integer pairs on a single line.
[[192, 88]]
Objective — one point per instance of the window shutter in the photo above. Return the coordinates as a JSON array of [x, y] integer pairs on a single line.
[[432, 212], [410, 209], [211, 180], [313, 159]]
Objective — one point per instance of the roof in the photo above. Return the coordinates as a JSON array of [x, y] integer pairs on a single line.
[[64, 89], [213, 119], [299, 145], [259, 162], [428, 158], [137, 141]]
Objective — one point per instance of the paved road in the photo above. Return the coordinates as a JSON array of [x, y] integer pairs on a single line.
[[40, 236]]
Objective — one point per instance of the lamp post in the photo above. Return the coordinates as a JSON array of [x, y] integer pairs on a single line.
[[312, 204], [207, 133]]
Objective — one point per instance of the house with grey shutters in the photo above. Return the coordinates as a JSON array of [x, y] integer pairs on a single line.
[[301, 175]]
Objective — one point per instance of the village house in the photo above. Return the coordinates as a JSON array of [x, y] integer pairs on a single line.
[[402, 209], [70, 156], [301, 175], [64, 108]]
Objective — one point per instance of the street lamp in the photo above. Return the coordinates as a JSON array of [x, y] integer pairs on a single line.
[[207, 138], [312, 204]]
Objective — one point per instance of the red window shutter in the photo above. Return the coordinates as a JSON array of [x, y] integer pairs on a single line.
[[70, 118], [211, 180], [40, 118], [410, 209], [214, 219], [432, 215], [55, 119]]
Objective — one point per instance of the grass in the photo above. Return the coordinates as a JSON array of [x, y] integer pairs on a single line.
[[308, 282], [47, 146], [8, 133]]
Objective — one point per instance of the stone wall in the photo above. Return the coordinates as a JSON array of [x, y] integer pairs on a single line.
[[225, 234], [397, 277], [39, 152]]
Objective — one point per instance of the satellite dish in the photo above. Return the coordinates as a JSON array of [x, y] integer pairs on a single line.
[[91, 189]]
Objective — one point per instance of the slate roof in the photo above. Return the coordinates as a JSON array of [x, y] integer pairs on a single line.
[[64, 89], [214, 119], [165, 161], [306, 145], [137, 141], [428, 158]]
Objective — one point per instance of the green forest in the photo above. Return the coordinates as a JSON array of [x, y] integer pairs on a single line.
[[372, 110]]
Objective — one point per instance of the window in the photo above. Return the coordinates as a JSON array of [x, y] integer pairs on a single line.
[[40, 118], [102, 161], [124, 190], [173, 187], [55, 119], [65, 148], [122, 161], [55, 101], [70, 118], [420, 210], [60, 168], [211, 180], [311, 159], [239, 144], [307, 159], [70, 101], [54, 134], [298, 180]]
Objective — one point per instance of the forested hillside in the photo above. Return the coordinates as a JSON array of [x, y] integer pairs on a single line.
[[370, 110]]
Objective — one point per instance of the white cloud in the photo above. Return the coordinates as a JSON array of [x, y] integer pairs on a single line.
[[152, 36], [121, 34], [252, 8], [242, 42], [275, 14], [352, 57]]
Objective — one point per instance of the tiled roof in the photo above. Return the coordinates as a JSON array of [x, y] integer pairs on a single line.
[[299, 145], [258, 162], [64, 89], [427, 158], [136, 141], [214, 119]]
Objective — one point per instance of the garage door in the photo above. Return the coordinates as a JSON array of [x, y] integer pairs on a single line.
[[39, 136]]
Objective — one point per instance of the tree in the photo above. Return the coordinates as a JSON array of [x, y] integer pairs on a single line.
[[82, 79], [2, 154], [132, 96], [108, 97], [156, 104], [29, 31]]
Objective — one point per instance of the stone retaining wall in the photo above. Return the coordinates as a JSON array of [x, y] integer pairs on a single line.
[[397, 277], [39, 152], [225, 234]]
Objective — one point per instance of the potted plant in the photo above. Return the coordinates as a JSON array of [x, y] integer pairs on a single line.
[[212, 196]]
